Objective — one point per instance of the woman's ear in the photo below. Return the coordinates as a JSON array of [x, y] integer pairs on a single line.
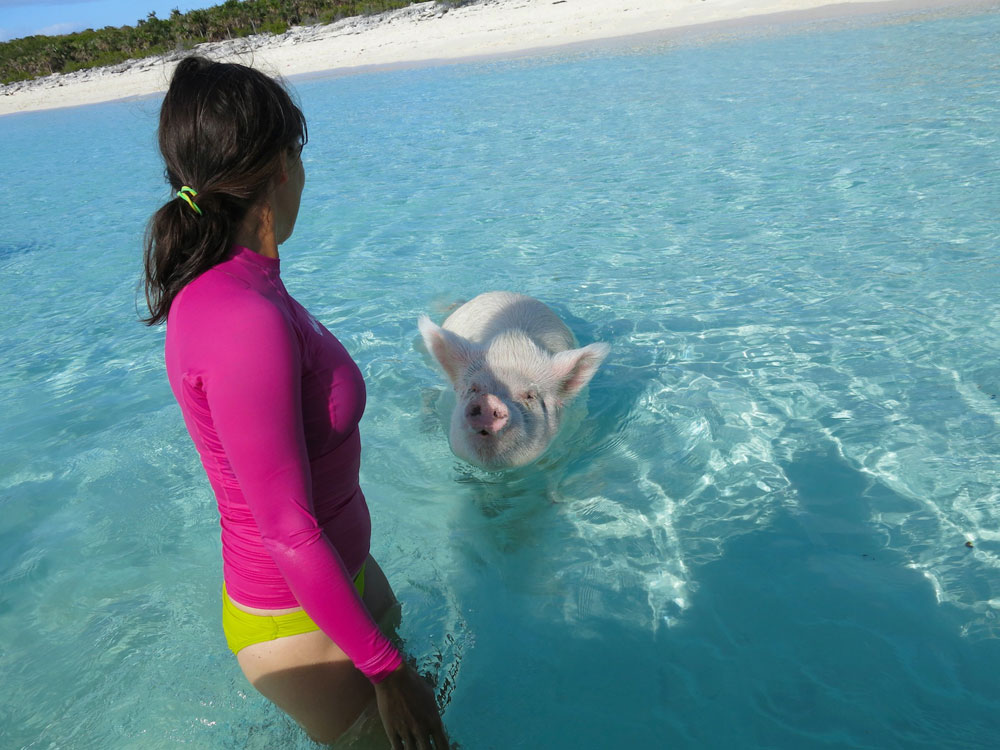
[[283, 174]]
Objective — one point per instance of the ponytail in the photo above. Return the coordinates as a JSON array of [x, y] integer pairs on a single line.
[[181, 245]]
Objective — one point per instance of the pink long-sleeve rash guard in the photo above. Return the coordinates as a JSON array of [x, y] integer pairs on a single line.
[[272, 401]]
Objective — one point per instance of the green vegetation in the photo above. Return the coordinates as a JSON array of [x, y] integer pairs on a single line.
[[33, 56]]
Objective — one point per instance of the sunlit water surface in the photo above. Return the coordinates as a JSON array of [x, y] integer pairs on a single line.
[[756, 537]]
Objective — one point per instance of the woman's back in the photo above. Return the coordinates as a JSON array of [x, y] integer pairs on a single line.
[[233, 329]]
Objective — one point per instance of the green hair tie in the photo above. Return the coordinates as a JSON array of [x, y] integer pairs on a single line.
[[185, 194]]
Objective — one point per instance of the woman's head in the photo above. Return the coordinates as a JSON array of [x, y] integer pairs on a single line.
[[226, 131]]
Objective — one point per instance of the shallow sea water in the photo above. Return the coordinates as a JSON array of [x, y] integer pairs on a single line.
[[757, 535]]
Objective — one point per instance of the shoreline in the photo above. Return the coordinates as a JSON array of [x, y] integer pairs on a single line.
[[428, 34]]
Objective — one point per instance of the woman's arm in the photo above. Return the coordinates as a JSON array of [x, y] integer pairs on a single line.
[[253, 390]]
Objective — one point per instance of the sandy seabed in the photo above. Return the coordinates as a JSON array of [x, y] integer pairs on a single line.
[[435, 32]]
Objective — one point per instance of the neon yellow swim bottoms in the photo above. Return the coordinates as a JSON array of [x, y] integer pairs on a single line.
[[243, 629]]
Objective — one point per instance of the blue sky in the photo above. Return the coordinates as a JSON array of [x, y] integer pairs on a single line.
[[25, 17]]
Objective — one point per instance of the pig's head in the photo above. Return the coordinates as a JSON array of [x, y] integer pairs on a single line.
[[510, 393]]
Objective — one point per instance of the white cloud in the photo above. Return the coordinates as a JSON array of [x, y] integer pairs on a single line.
[[62, 28], [16, 3]]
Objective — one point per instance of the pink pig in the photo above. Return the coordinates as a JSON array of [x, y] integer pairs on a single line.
[[514, 368]]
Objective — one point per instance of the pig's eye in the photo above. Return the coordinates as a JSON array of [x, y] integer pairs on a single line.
[[529, 397]]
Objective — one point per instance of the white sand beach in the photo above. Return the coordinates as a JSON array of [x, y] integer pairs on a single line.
[[433, 32]]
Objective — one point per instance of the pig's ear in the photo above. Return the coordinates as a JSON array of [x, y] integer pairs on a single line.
[[452, 352], [575, 368]]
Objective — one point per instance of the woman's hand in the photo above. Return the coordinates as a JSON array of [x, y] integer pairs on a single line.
[[409, 714]]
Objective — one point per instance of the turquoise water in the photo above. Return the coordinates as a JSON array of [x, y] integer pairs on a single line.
[[756, 538]]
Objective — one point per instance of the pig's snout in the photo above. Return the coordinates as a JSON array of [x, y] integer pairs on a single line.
[[487, 414]]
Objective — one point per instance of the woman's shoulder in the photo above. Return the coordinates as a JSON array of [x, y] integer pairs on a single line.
[[218, 318], [219, 297]]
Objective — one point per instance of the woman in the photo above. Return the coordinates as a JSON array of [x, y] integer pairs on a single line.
[[272, 402]]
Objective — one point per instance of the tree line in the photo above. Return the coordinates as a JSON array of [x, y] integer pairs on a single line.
[[33, 56]]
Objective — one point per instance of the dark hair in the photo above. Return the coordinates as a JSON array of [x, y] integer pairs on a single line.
[[223, 128]]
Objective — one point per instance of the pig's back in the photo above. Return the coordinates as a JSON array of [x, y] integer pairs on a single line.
[[492, 313]]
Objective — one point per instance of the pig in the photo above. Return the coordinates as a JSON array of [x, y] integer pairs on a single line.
[[514, 368]]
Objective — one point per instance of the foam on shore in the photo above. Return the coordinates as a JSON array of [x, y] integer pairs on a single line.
[[432, 32]]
